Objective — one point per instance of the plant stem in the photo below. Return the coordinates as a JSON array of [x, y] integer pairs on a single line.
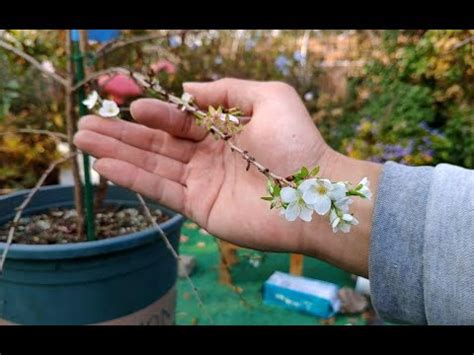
[[174, 253], [34, 62], [71, 129], [88, 193], [25, 203]]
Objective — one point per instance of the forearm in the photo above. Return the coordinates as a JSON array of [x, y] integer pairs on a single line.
[[349, 251]]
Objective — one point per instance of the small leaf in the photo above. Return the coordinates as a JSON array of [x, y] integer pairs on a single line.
[[315, 171], [358, 187], [267, 198], [270, 187], [276, 190], [304, 172]]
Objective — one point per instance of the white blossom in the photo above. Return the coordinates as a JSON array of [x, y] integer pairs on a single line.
[[48, 66], [343, 204], [91, 100], [364, 190], [316, 194], [342, 221], [297, 207], [187, 98], [309, 96], [225, 116], [109, 109]]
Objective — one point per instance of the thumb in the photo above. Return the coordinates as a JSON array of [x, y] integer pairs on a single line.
[[243, 94]]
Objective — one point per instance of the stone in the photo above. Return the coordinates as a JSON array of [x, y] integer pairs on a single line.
[[43, 225], [352, 301], [186, 265]]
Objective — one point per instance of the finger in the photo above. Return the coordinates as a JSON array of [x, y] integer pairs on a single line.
[[160, 189], [165, 116], [228, 92], [141, 137], [102, 146]]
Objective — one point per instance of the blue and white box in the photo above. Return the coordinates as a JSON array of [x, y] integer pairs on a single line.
[[316, 297]]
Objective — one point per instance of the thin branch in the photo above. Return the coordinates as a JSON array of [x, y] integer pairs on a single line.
[[55, 135], [234, 288], [25, 203], [462, 43], [114, 45], [34, 62], [97, 74], [174, 253], [194, 110], [71, 128]]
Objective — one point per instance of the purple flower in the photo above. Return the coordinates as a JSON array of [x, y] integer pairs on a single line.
[[299, 57], [175, 41], [250, 44], [282, 63]]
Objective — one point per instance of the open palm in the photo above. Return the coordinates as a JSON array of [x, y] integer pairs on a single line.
[[170, 159]]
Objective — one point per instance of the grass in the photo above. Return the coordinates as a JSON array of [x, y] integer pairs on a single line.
[[225, 306]]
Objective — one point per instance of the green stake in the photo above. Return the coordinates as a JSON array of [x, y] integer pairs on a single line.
[[78, 59]]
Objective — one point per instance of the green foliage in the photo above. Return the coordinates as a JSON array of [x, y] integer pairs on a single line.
[[413, 104]]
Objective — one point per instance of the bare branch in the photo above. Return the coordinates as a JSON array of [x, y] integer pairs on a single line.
[[114, 45], [99, 73], [463, 43], [56, 135], [25, 203], [34, 62], [173, 252]]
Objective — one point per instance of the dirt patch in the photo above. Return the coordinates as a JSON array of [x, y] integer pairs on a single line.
[[58, 226]]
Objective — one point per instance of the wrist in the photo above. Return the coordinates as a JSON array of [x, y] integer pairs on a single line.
[[349, 251]]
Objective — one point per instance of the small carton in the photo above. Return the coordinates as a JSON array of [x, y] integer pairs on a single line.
[[302, 294]]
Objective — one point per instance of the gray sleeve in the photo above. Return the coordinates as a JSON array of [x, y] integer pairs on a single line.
[[421, 263]]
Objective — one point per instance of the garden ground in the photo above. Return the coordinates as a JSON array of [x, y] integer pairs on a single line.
[[224, 304]]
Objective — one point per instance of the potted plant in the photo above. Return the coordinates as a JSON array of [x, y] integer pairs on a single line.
[[65, 268]]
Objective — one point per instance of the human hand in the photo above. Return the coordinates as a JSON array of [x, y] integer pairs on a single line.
[[170, 159]]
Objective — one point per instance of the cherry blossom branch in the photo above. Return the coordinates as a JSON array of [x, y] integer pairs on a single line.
[[59, 79], [141, 80], [297, 196], [25, 203], [174, 253]]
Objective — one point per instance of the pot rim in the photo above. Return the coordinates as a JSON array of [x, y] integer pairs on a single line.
[[88, 248]]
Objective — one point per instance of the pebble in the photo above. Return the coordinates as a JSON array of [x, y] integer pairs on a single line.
[[43, 225], [186, 265], [70, 213]]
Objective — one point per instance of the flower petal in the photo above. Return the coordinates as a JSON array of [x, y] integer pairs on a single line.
[[322, 204], [292, 212], [338, 191], [310, 196], [288, 194], [307, 184], [306, 214]]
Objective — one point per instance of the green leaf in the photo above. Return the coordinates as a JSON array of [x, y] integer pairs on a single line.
[[270, 187], [267, 198], [358, 187], [304, 172], [315, 171], [276, 190]]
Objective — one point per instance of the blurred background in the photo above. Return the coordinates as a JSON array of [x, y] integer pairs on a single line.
[[380, 95]]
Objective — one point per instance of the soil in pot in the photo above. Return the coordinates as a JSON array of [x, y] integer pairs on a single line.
[[58, 226]]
